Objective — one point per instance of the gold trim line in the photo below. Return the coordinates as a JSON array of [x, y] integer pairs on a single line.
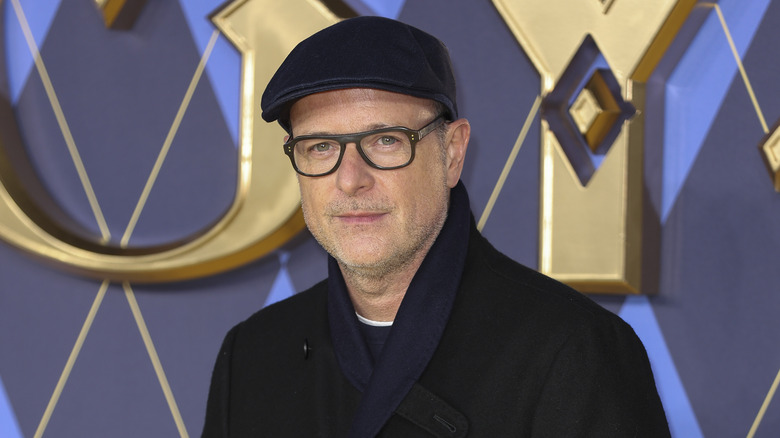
[[158, 369], [63, 124], [74, 354], [168, 140], [740, 66], [769, 396], [509, 162]]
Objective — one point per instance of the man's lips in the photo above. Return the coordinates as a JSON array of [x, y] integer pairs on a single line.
[[360, 217]]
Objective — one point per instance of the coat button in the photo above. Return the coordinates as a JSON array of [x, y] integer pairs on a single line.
[[306, 348]]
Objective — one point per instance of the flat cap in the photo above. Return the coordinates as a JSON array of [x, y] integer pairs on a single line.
[[362, 52]]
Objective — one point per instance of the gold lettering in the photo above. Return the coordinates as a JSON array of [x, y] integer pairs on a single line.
[[591, 219], [265, 212]]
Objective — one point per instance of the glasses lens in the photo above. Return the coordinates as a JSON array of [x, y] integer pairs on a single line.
[[387, 149], [316, 156]]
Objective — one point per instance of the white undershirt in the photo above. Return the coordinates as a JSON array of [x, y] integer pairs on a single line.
[[373, 323]]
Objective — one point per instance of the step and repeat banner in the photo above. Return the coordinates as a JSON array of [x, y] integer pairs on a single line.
[[630, 149]]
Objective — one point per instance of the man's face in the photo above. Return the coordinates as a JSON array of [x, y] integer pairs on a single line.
[[374, 221]]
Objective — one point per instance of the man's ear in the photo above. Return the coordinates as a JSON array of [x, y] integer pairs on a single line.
[[457, 142], [286, 138]]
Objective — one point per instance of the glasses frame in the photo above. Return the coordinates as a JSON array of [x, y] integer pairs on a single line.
[[414, 137]]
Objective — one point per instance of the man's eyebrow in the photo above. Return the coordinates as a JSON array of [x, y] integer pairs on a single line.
[[372, 127]]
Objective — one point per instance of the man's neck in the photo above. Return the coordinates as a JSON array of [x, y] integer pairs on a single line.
[[378, 297]]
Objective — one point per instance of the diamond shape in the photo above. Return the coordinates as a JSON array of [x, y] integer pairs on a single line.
[[585, 110], [605, 122]]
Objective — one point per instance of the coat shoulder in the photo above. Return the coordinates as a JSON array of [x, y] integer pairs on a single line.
[[304, 306], [517, 284]]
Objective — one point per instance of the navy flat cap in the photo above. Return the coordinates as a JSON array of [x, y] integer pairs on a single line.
[[363, 52]]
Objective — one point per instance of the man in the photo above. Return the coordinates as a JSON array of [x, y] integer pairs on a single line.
[[422, 328]]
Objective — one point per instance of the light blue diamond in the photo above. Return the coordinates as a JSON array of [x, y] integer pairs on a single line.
[[39, 15], [9, 427], [638, 313], [283, 286]]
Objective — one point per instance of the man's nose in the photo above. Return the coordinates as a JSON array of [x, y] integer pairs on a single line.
[[353, 174]]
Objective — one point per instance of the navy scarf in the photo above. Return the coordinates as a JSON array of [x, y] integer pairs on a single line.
[[417, 328]]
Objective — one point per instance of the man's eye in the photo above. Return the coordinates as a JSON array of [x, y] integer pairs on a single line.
[[320, 147], [386, 141]]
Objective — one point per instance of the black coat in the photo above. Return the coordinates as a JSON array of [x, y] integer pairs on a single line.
[[521, 356]]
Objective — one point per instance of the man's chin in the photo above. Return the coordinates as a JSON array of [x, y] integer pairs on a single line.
[[365, 265], [367, 248], [365, 262]]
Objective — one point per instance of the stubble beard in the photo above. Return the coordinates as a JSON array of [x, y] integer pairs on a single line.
[[399, 255]]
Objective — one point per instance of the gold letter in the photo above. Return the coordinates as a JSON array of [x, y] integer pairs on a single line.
[[265, 212], [604, 51]]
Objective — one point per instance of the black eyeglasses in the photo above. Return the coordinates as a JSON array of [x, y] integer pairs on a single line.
[[385, 148]]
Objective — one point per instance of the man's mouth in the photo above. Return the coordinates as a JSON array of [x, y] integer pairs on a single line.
[[360, 217]]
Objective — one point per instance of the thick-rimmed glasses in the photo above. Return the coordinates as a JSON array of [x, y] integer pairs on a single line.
[[385, 148]]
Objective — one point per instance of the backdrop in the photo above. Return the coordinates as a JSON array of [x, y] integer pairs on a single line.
[[139, 364]]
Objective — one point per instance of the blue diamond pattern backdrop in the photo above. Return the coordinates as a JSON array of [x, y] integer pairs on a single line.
[[711, 333]]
